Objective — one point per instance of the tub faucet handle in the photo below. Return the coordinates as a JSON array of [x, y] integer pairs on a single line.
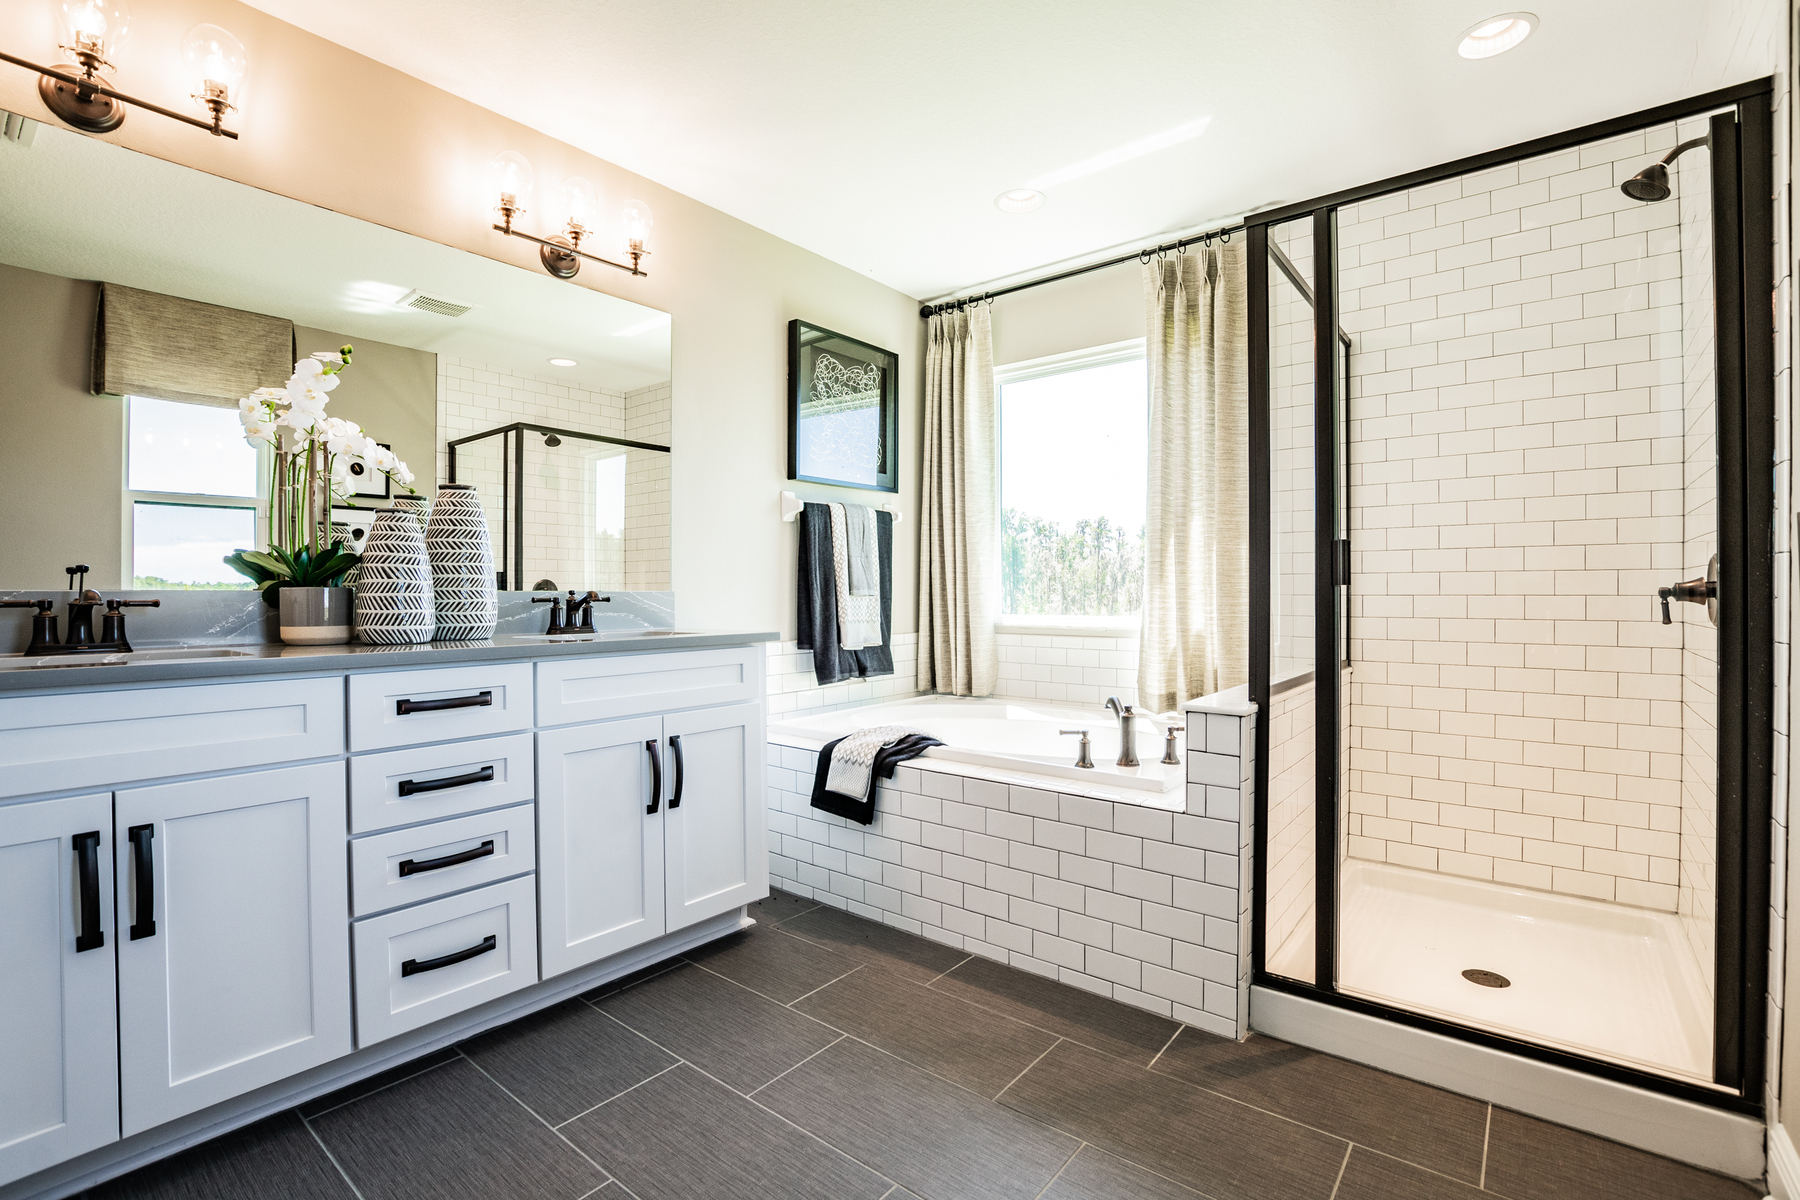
[[1171, 755], [1086, 757]]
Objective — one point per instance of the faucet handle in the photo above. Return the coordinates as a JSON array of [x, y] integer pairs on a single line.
[[1085, 758], [1172, 755], [42, 606], [116, 605]]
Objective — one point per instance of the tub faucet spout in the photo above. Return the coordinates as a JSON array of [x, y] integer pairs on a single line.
[[1127, 731]]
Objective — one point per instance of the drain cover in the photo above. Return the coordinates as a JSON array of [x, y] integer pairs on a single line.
[[1491, 979]]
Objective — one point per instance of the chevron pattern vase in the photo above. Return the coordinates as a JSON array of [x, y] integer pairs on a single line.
[[462, 565], [394, 602]]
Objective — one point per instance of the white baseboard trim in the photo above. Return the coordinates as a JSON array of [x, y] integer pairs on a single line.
[[1784, 1165], [1694, 1133], [88, 1170]]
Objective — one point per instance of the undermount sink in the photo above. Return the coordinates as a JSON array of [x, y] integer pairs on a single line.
[[21, 662]]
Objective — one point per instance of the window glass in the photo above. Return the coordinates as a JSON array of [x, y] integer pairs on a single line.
[[184, 545], [188, 448], [1073, 460]]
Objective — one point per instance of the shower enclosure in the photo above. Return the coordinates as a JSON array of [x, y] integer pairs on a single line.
[[568, 509], [1513, 456]]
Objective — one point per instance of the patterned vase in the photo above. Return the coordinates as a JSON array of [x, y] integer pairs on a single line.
[[418, 506], [394, 603], [462, 565]]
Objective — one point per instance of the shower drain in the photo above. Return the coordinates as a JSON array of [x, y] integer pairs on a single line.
[[1491, 979]]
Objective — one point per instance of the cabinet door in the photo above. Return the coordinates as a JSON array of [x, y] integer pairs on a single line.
[[717, 855], [234, 946], [600, 851], [59, 1083]]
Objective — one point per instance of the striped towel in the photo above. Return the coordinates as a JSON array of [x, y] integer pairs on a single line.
[[859, 615]]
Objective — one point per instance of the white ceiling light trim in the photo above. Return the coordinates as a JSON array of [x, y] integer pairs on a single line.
[[1122, 154], [563, 362], [1019, 200], [1496, 35]]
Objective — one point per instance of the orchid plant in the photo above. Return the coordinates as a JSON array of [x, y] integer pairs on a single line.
[[314, 462]]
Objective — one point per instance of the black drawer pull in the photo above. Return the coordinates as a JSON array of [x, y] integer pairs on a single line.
[[680, 770], [414, 966], [409, 867], [483, 700], [412, 787], [143, 865], [655, 777], [87, 867]]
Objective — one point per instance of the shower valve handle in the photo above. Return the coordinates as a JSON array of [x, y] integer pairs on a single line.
[[1691, 591]]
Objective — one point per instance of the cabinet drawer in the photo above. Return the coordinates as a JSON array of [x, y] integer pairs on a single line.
[[628, 685], [421, 964], [406, 708], [404, 866], [82, 739], [404, 787]]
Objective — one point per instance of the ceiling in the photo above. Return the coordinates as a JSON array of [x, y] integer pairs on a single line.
[[83, 209], [878, 135]]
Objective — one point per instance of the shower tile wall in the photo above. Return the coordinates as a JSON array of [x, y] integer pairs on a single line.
[[1517, 496], [647, 491]]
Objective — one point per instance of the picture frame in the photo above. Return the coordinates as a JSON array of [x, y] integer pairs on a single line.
[[843, 410], [365, 488]]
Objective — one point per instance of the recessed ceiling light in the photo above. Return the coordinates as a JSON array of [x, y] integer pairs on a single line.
[[1018, 200], [1496, 35], [562, 362]]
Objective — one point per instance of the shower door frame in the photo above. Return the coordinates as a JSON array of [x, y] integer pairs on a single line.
[[1743, 240]]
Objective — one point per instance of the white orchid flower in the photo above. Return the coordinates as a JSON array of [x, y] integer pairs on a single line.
[[260, 431]]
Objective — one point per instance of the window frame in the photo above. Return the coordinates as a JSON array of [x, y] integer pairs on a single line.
[[1120, 625]]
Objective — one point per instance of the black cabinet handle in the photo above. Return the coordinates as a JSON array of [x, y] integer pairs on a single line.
[[655, 777], [412, 787], [409, 867], [87, 868], [675, 745], [483, 700], [143, 866], [414, 966]]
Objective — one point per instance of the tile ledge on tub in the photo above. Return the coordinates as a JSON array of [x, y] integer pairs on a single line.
[[1232, 702]]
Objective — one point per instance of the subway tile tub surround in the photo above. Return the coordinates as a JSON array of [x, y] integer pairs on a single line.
[[1147, 905]]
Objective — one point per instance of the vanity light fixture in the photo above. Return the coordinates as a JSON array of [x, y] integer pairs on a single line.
[[93, 31], [577, 202]]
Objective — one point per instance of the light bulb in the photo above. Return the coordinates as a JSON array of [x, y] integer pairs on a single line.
[[639, 222], [510, 179], [96, 26], [215, 60], [578, 202]]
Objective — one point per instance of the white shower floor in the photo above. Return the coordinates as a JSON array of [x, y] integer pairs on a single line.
[[1603, 980]]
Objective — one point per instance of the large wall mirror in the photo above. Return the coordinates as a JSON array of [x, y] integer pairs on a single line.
[[152, 487]]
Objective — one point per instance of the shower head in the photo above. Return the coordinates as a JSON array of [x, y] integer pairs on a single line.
[[1649, 185], [1652, 183], [550, 439]]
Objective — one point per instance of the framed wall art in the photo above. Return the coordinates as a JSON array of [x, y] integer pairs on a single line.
[[843, 410]]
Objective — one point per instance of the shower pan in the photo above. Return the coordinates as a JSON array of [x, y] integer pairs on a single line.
[[1512, 461]]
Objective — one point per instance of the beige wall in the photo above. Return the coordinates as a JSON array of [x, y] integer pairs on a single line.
[[61, 449], [1096, 309], [338, 130], [391, 391]]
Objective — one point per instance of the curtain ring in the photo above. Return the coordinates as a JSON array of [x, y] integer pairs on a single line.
[[1144, 257], [1225, 236]]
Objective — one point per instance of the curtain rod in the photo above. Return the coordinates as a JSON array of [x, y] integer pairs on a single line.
[[1143, 255]]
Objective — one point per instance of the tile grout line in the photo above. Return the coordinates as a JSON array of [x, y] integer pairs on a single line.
[[1487, 1136], [634, 1087], [1080, 1145], [764, 995], [384, 1087], [943, 973], [815, 991], [348, 1182], [540, 1120], [1151, 1065], [1339, 1181], [1034, 1062], [751, 1094]]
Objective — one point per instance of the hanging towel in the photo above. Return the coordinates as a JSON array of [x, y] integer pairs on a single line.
[[817, 595], [859, 615], [844, 782]]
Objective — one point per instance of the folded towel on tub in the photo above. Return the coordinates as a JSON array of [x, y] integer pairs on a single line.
[[848, 768]]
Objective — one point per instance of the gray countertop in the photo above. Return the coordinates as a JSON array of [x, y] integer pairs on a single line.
[[167, 664]]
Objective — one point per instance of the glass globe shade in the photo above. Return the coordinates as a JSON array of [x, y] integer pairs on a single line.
[[639, 222], [104, 21], [578, 202], [509, 174], [212, 54]]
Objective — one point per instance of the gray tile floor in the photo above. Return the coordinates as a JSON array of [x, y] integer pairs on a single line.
[[823, 1056]]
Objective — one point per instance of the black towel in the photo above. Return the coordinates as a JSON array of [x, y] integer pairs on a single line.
[[818, 623], [851, 808]]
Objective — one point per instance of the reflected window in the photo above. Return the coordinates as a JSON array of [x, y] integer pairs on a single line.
[[193, 483], [184, 545]]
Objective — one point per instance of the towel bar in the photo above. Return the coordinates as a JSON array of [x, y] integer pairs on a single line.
[[792, 505]]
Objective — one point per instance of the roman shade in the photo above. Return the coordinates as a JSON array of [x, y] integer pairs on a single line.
[[174, 349]]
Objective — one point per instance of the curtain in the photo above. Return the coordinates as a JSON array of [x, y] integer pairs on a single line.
[[174, 349], [958, 569], [1196, 573]]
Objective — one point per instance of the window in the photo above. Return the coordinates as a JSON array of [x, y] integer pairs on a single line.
[[193, 485], [1074, 453]]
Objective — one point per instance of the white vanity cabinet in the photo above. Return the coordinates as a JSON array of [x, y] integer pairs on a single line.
[[59, 1081]]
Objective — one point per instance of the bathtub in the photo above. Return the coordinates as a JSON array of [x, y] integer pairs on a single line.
[[1013, 737]]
